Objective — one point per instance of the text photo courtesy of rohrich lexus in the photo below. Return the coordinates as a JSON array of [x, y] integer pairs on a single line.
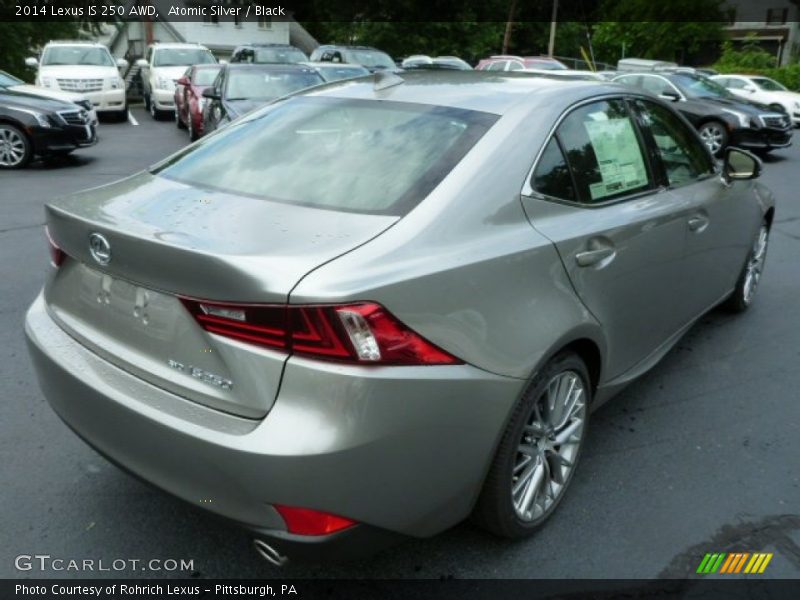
[[366, 297]]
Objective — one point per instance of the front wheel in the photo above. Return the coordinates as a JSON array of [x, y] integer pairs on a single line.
[[539, 451], [16, 150], [743, 295], [715, 136]]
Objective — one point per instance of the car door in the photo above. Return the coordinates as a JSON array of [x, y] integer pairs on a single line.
[[721, 219], [213, 109], [620, 236]]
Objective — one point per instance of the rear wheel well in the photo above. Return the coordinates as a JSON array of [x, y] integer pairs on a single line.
[[590, 354]]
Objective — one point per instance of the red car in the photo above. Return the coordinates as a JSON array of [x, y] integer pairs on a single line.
[[518, 63], [189, 99]]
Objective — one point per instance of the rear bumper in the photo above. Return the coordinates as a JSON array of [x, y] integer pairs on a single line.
[[401, 451]]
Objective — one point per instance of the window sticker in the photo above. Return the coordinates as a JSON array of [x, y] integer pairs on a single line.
[[618, 156]]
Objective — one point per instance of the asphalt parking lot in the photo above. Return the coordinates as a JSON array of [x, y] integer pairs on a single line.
[[700, 455]]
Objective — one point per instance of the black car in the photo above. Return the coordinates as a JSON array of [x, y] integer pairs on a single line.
[[32, 126], [268, 54], [721, 118], [371, 58], [240, 88]]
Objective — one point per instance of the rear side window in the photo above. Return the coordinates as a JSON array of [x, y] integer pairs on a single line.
[[603, 152], [340, 154], [684, 157], [551, 176]]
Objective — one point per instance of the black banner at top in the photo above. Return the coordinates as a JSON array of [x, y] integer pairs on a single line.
[[586, 11]]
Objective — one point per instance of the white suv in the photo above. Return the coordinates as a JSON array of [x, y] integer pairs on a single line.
[[162, 66], [86, 68]]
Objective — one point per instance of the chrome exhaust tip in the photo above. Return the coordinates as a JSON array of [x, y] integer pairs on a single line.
[[269, 553]]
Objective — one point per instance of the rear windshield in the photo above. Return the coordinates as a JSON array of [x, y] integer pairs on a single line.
[[255, 84], [206, 76], [372, 59], [280, 55], [77, 55], [341, 72], [339, 154], [179, 57]]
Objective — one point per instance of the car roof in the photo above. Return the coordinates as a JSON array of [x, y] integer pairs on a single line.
[[486, 91], [177, 45], [332, 65], [270, 67], [75, 43], [349, 47], [265, 45]]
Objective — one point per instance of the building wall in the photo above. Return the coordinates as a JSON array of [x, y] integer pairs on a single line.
[[750, 17], [224, 36]]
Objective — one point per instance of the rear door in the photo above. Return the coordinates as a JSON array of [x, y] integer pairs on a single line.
[[619, 235]]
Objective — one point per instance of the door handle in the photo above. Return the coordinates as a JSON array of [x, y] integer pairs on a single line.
[[597, 253], [698, 223]]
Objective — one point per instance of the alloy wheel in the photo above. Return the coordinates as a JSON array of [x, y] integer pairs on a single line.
[[12, 148], [713, 136], [548, 450], [755, 264]]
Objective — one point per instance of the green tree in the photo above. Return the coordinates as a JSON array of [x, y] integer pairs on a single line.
[[642, 28], [20, 39]]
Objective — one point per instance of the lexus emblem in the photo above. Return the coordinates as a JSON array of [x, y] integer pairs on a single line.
[[100, 249]]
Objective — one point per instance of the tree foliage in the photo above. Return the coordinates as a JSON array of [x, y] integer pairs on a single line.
[[646, 29], [20, 39]]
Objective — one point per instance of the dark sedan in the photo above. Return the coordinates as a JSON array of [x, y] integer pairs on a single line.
[[32, 126], [721, 118], [240, 88]]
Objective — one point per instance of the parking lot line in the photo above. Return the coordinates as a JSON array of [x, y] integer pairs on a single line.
[[132, 120]]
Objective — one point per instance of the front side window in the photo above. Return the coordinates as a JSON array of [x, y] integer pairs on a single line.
[[77, 55], [603, 152], [338, 154], [684, 157], [498, 65], [697, 86], [178, 57], [657, 86]]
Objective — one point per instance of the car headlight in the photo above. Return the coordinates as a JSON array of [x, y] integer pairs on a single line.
[[47, 82], [114, 82], [41, 118], [164, 83], [744, 119]]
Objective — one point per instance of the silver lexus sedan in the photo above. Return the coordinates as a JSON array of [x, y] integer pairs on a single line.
[[375, 308]]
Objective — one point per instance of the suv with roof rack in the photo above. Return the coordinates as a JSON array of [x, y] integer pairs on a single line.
[[366, 56], [162, 66], [86, 68]]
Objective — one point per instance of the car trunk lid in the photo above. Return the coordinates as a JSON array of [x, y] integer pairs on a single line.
[[169, 240]]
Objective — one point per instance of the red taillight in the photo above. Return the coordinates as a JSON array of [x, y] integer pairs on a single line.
[[304, 521], [363, 333], [57, 255]]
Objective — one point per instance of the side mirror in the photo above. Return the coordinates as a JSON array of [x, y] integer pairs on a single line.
[[752, 90], [122, 63], [668, 95], [31, 62], [141, 63], [183, 81], [739, 165], [210, 93]]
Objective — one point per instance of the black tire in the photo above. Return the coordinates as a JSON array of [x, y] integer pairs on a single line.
[[193, 136], [744, 293], [715, 136], [154, 112], [17, 149], [495, 510], [777, 108], [178, 123], [147, 102]]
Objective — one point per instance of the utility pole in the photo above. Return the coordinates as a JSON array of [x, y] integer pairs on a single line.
[[551, 47], [509, 24]]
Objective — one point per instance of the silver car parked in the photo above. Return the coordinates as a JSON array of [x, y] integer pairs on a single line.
[[375, 308]]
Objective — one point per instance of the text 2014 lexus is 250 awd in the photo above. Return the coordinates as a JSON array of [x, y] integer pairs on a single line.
[[375, 308]]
